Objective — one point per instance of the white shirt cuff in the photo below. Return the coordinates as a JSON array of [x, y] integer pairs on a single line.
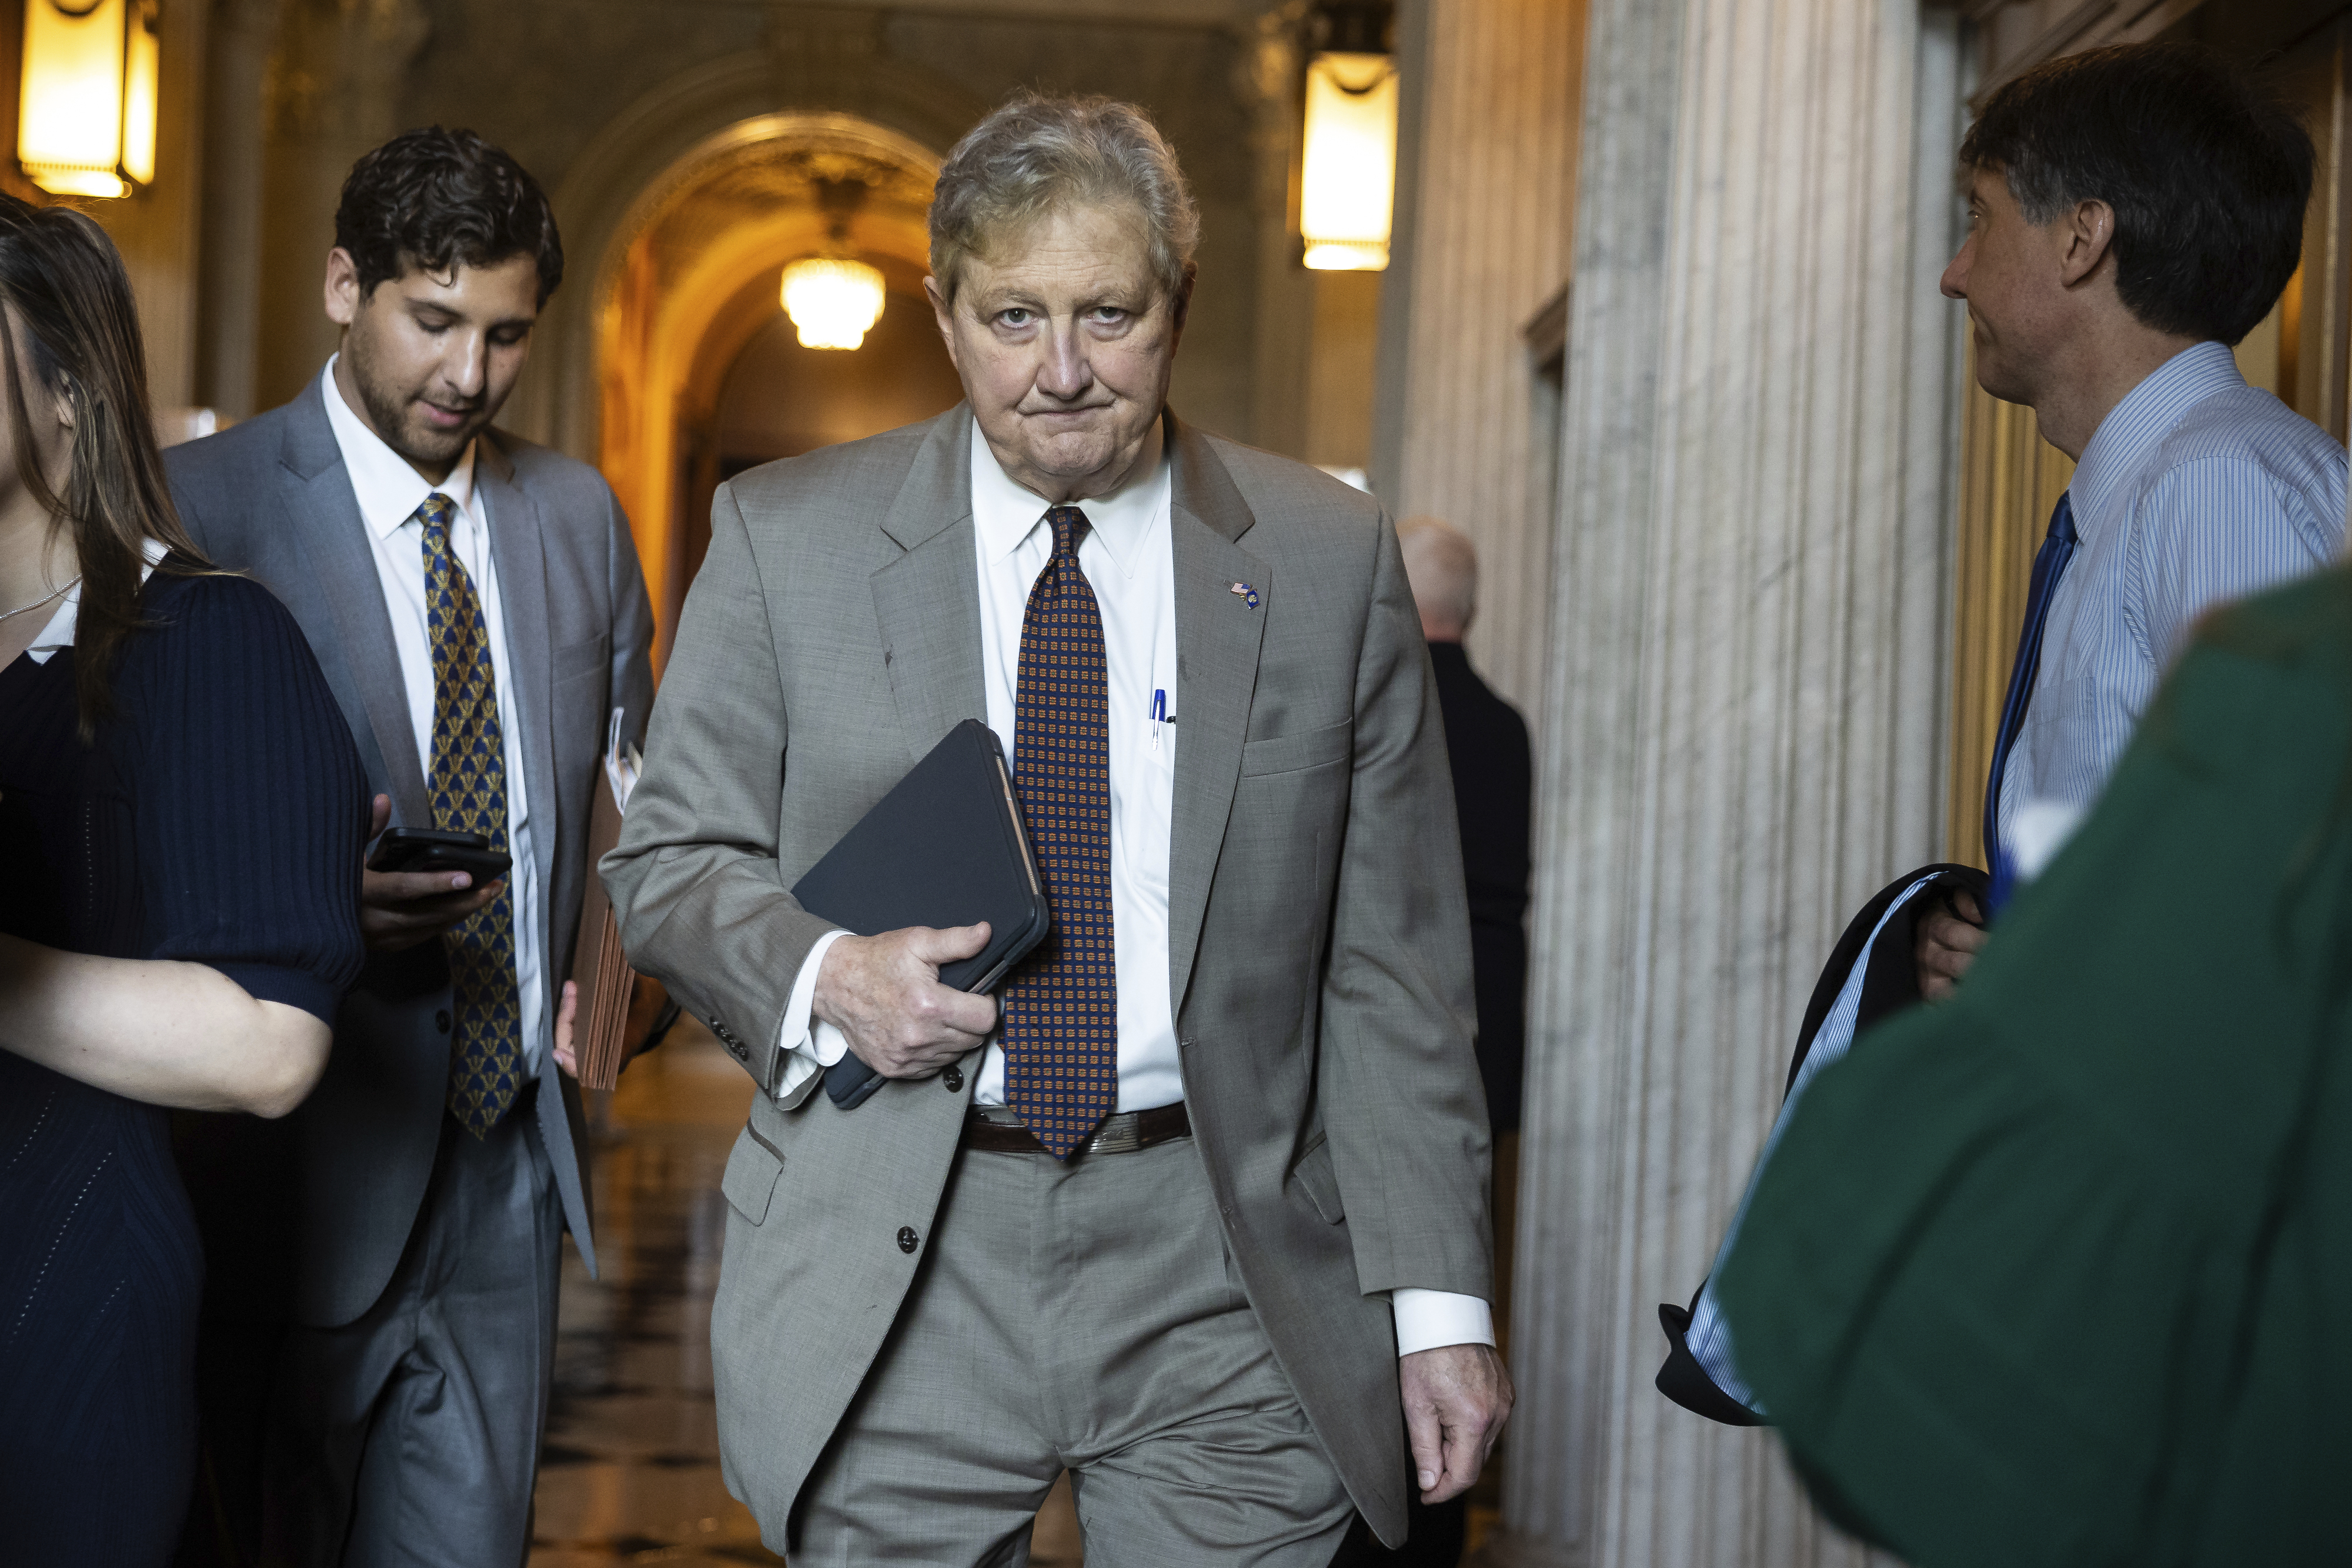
[[1427, 1320], [806, 1052]]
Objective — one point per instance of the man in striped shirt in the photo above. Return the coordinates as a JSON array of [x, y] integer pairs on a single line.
[[2133, 212]]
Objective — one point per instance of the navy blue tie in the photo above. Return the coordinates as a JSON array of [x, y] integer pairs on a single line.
[[2049, 565]]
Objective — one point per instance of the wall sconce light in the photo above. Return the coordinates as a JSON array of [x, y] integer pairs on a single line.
[[832, 301], [1348, 183], [86, 122]]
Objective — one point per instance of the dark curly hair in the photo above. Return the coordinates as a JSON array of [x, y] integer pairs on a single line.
[[433, 199], [2209, 176]]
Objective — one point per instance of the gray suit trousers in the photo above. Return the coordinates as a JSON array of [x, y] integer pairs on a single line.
[[1082, 1317], [409, 1437]]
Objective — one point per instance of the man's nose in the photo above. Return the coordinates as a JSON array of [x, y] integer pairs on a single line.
[[1066, 373], [1954, 284], [466, 366]]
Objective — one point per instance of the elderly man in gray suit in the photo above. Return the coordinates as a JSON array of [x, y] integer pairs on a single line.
[[477, 605], [1223, 1279]]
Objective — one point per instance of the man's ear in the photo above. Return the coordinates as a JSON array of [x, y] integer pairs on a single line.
[[943, 313], [343, 297], [1180, 308], [2089, 236]]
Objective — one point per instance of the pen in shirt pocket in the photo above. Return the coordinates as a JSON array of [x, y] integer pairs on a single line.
[[1159, 715]]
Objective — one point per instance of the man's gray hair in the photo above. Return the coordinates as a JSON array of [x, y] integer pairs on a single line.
[[1036, 154]]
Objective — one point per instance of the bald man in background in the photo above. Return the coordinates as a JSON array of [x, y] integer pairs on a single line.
[[1487, 742], [1493, 791]]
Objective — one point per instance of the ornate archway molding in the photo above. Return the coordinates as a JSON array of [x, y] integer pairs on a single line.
[[816, 64]]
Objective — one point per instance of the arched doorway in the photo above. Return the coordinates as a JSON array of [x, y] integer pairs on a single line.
[[697, 369]]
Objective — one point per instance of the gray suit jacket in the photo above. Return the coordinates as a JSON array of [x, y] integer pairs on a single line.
[[1318, 945], [270, 498]]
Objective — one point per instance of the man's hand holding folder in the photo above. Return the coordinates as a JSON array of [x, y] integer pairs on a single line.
[[909, 992], [883, 994]]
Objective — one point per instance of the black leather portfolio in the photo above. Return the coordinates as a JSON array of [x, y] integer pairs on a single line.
[[947, 846]]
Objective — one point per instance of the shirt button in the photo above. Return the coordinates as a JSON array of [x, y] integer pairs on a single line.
[[441, 1020], [953, 1079], [907, 1239]]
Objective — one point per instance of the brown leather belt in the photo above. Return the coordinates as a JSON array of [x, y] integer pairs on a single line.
[[997, 1131]]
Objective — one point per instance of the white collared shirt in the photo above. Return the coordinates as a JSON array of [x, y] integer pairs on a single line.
[[57, 631], [389, 492], [1128, 556]]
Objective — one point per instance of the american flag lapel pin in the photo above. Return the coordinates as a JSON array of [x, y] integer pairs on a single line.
[[1244, 592]]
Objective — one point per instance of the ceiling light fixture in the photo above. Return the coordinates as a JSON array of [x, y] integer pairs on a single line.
[[834, 302]]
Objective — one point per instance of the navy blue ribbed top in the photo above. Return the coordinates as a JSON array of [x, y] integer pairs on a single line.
[[218, 818]]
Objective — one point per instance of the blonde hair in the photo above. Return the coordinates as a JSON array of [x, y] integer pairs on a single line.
[[1036, 154]]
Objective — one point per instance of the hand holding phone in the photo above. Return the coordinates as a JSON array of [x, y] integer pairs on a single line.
[[429, 850], [406, 898]]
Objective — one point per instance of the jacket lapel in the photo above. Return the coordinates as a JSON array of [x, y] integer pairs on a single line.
[[321, 516], [1218, 635], [518, 544], [927, 599]]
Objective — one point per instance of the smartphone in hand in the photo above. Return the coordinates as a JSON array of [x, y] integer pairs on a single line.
[[430, 849]]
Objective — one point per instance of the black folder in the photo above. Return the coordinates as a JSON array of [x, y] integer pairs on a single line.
[[947, 846]]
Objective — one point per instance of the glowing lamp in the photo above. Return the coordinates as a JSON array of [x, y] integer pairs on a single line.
[[1348, 182], [86, 126], [832, 302]]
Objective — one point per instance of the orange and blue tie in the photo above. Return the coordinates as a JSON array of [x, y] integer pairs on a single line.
[[1061, 1009], [469, 795]]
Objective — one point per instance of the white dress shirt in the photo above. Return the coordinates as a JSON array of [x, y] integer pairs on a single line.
[[1130, 560], [389, 492], [57, 631]]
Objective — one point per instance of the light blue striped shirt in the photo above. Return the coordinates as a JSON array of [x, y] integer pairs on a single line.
[[2196, 489]]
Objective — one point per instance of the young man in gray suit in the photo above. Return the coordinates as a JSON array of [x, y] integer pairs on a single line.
[[1201, 1217], [477, 605]]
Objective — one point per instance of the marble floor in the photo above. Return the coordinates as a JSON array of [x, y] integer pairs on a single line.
[[631, 1470]]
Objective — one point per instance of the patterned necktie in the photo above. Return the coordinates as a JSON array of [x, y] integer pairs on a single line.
[[469, 795], [1061, 1009], [2049, 565]]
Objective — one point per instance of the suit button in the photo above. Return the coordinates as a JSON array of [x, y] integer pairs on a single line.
[[953, 1079], [907, 1239], [441, 1020]]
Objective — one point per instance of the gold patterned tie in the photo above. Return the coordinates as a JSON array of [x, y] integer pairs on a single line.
[[1061, 1009], [469, 795]]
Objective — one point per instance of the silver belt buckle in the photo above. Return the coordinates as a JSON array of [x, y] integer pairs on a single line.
[[1120, 1134]]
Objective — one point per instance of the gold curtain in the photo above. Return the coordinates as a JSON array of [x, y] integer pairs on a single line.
[[2011, 479]]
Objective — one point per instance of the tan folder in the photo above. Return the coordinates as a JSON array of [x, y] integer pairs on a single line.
[[598, 965]]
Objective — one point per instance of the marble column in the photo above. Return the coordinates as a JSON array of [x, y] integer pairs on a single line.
[[1486, 210], [335, 87], [1743, 729], [244, 32]]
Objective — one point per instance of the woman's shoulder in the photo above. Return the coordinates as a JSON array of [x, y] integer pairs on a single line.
[[196, 623], [184, 606]]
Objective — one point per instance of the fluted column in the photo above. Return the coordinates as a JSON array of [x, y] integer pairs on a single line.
[[1744, 729], [1491, 201]]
